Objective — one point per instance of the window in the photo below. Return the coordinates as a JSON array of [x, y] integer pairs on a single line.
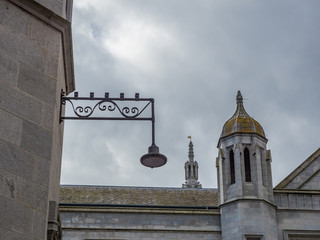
[[247, 165], [232, 173], [305, 238], [253, 237], [301, 235]]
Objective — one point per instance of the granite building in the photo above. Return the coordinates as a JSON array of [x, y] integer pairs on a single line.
[[36, 64], [244, 207]]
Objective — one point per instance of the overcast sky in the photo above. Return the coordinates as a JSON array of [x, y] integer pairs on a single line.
[[192, 57]]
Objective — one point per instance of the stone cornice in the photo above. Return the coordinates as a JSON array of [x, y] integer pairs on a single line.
[[293, 191], [137, 210], [152, 230], [248, 200], [286, 209]]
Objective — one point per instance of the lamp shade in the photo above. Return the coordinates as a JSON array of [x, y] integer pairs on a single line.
[[153, 158]]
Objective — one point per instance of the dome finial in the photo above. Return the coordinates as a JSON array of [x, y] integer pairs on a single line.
[[239, 97]]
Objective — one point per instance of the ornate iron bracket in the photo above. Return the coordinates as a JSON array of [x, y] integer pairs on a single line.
[[106, 104]]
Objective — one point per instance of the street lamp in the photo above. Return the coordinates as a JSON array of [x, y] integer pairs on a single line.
[[153, 158], [106, 104]]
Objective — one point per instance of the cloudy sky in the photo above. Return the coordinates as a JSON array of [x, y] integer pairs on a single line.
[[192, 57]]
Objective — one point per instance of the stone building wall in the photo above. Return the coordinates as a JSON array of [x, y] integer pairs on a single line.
[[298, 215], [241, 218], [79, 223], [62, 8], [34, 67]]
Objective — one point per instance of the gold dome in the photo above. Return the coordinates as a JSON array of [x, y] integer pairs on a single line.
[[241, 122]]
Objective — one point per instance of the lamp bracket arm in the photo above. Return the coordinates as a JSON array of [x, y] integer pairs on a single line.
[[93, 105]]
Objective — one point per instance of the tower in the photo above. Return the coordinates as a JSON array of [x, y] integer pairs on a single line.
[[191, 170], [244, 179], [36, 63]]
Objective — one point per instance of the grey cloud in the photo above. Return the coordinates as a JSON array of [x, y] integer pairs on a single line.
[[269, 50]]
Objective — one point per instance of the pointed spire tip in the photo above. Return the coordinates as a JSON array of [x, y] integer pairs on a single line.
[[239, 97]]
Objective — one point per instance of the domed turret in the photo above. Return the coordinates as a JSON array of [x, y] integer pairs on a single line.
[[241, 122], [245, 179]]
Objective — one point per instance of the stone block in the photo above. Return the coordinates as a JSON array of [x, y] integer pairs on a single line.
[[316, 202], [16, 160], [56, 6], [22, 49], [42, 171], [8, 69], [277, 200], [52, 65], [10, 235], [39, 225], [47, 116], [10, 127], [284, 200], [36, 83], [7, 184], [8, 17], [308, 201], [32, 194], [18, 103], [45, 36], [292, 201], [17, 217], [36, 140]]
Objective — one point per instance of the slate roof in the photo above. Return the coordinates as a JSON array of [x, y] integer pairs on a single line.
[[148, 196]]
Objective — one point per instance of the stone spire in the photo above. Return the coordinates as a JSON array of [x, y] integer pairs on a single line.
[[191, 170], [191, 155], [240, 111]]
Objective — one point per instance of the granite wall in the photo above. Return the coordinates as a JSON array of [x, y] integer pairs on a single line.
[[137, 224], [298, 215], [32, 73]]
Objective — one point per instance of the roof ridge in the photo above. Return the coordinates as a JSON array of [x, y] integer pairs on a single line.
[[141, 187]]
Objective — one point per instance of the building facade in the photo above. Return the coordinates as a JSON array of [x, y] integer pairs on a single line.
[[36, 65], [244, 207]]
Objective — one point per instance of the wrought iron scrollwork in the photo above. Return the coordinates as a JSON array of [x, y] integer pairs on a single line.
[[107, 104]]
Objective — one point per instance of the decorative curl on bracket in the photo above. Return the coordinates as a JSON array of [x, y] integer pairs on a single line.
[[79, 110]]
